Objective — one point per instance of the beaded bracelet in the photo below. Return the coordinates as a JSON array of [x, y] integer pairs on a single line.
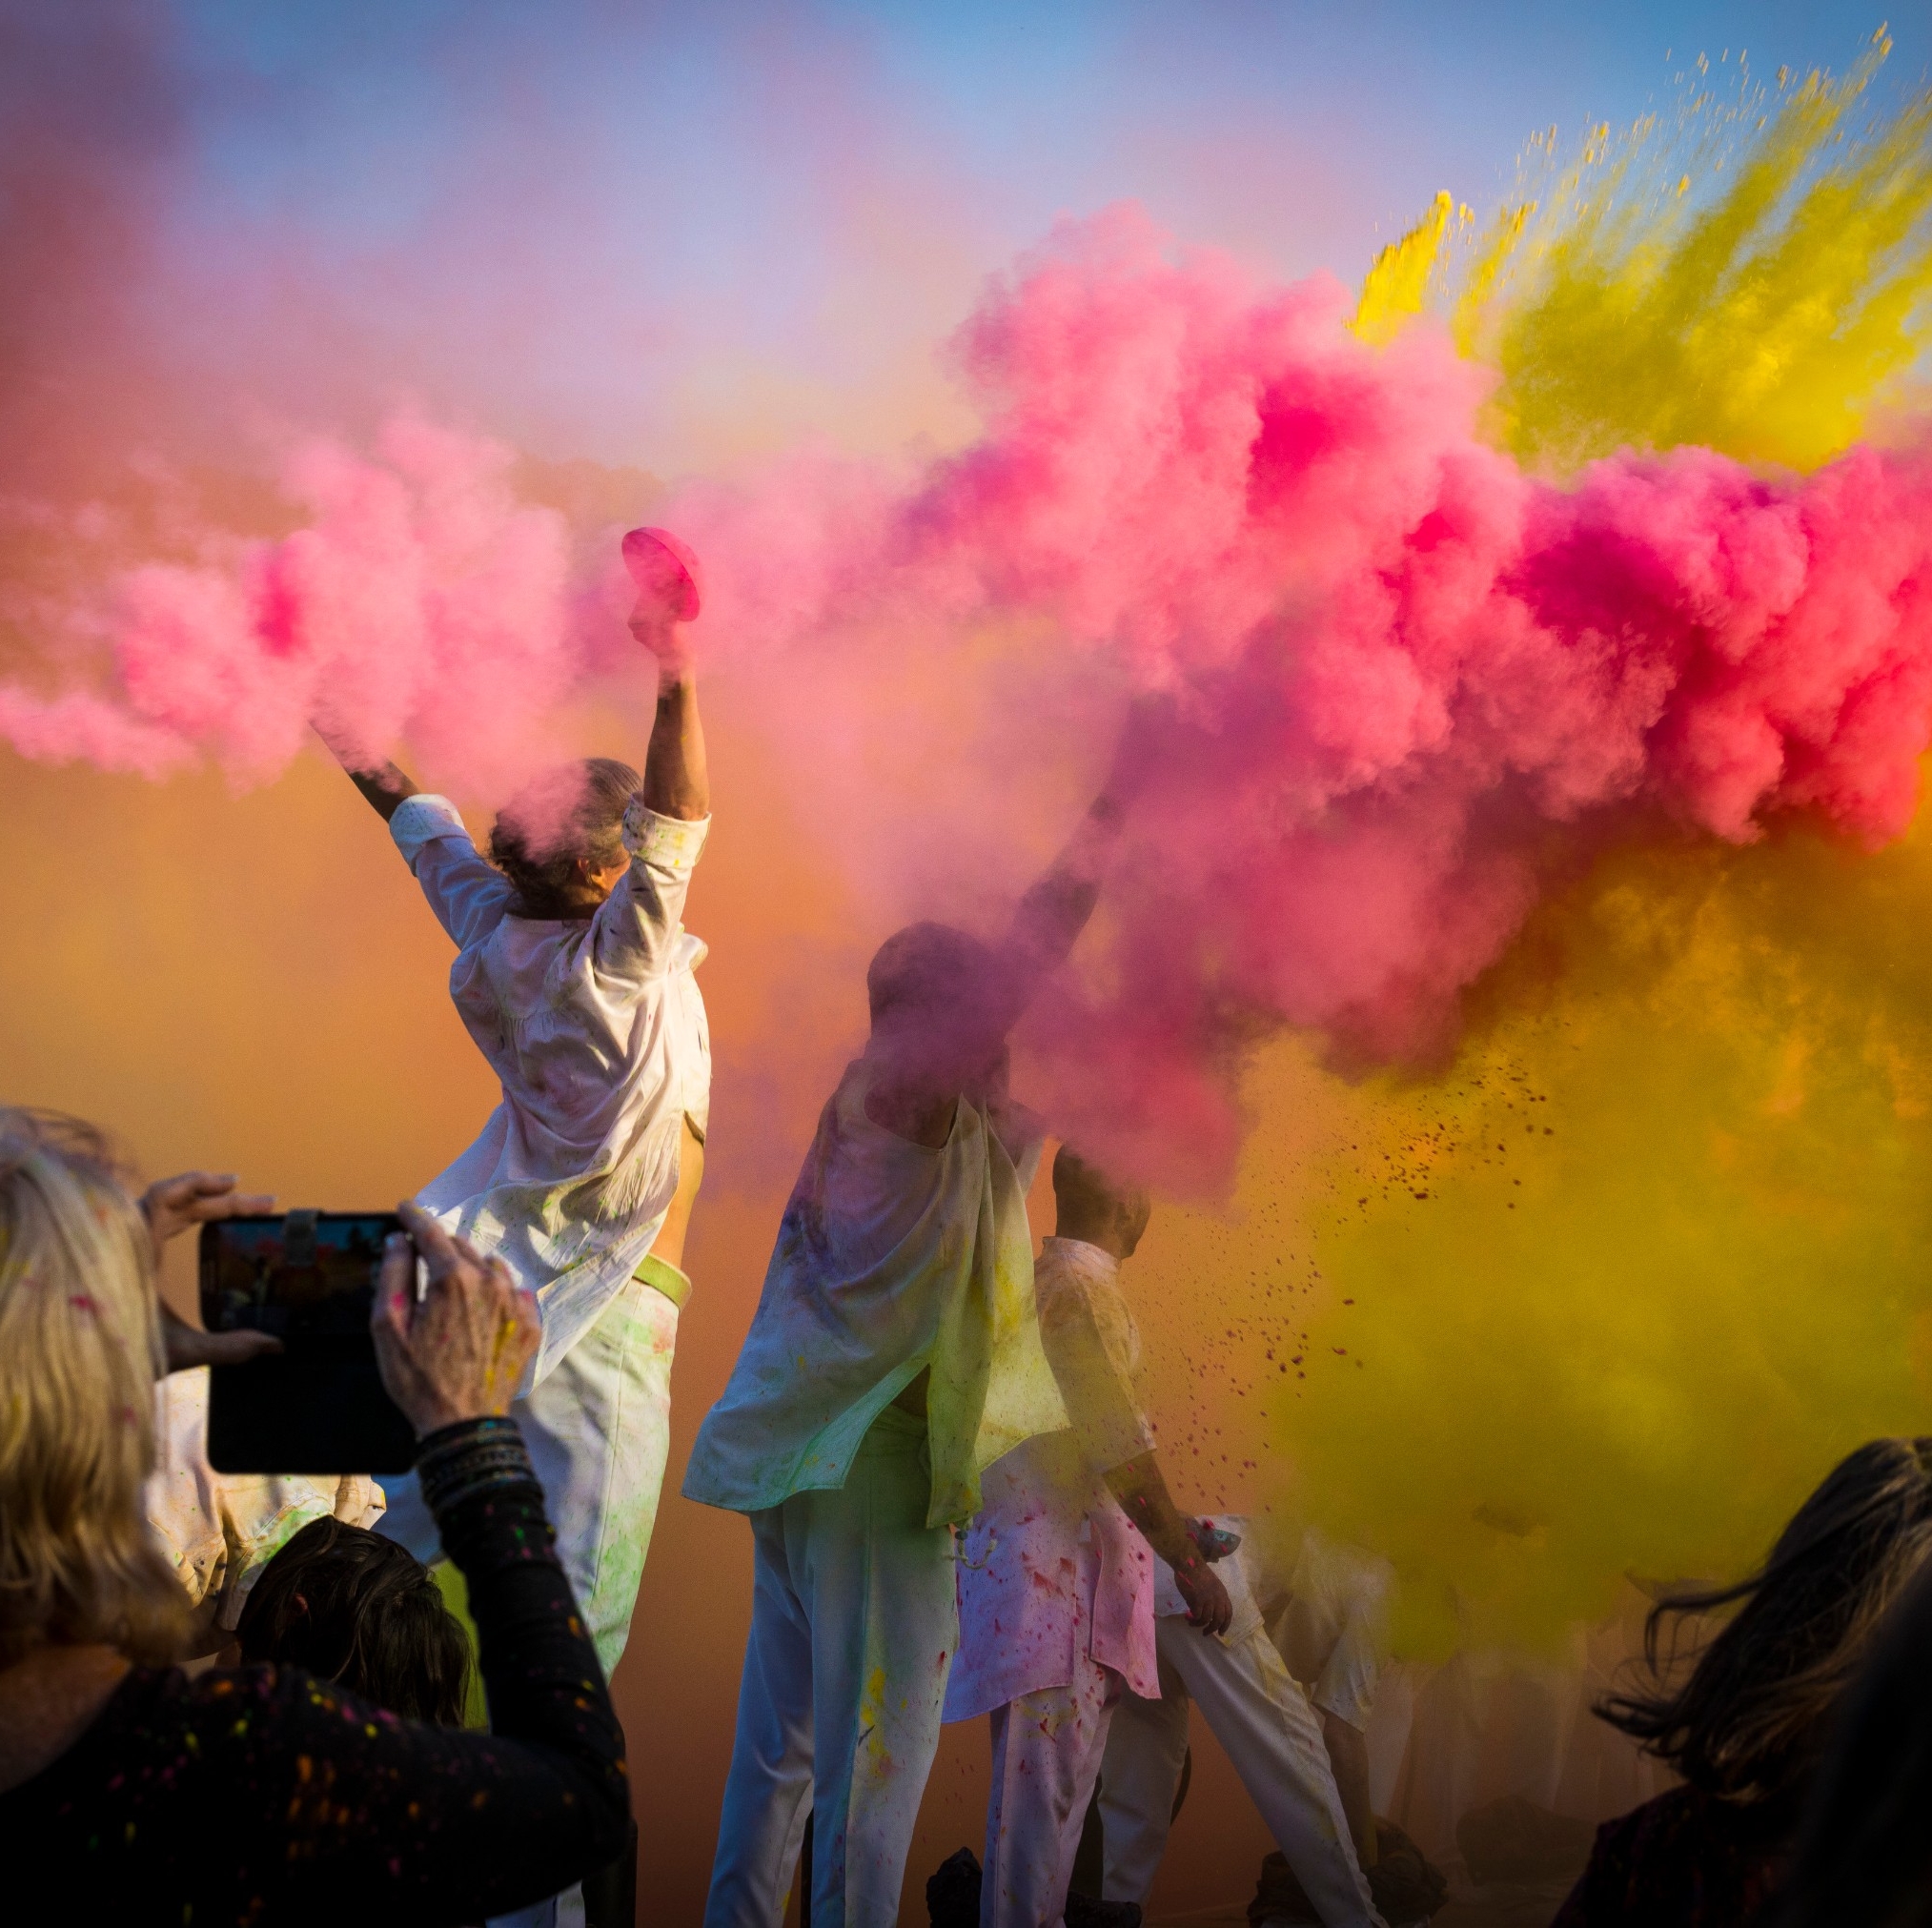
[[462, 1461]]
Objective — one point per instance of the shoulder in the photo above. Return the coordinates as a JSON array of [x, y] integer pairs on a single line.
[[1073, 1272], [426, 818], [251, 1708], [164, 1730], [1684, 1843]]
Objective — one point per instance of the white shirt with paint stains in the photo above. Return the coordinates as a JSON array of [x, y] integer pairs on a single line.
[[597, 1029]]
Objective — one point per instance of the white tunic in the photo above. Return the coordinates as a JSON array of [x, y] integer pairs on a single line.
[[597, 1029], [1050, 1567], [892, 1257]]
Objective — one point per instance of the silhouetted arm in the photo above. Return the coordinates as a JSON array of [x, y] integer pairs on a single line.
[[1053, 913], [383, 785], [676, 777]]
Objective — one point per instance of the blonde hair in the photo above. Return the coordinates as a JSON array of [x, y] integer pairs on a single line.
[[80, 1348]]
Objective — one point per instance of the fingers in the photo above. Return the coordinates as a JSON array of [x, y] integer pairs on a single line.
[[172, 1205], [394, 1288], [439, 1251], [209, 1206]]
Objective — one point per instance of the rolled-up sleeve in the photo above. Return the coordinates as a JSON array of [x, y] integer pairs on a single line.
[[638, 928], [467, 895]]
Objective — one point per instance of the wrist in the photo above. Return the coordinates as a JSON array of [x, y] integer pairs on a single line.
[[456, 1462]]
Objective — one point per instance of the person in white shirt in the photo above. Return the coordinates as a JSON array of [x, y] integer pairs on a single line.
[[894, 1355], [1285, 1690], [575, 976], [1056, 1575]]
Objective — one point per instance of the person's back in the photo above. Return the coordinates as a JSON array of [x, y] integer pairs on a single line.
[[1746, 1726], [591, 1019]]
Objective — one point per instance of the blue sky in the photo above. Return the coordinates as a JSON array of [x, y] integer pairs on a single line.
[[680, 237]]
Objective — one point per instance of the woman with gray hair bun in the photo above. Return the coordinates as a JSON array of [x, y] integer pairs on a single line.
[[264, 1793]]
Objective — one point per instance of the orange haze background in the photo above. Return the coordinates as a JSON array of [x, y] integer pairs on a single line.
[[252, 983]]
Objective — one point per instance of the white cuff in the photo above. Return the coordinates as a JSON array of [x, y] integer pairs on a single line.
[[422, 820], [664, 843]]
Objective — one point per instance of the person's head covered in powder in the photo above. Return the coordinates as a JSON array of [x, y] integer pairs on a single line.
[[560, 840], [941, 1002]]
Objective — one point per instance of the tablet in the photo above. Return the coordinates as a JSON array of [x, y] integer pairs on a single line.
[[318, 1405]]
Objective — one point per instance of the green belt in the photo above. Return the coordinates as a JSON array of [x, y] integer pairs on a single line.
[[662, 1276]]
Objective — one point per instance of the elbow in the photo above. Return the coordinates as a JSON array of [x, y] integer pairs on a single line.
[[685, 803], [608, 1812]]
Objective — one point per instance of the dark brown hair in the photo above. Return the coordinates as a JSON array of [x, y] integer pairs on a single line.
[[572, 812], [1749, 1722], [1864, 1856], [349, 1606], [1086, 1197]]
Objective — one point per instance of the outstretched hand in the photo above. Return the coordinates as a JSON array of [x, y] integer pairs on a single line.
[[459, 1351], [171, 1207]]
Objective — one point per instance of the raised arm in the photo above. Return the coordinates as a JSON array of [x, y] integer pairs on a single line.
[[677, 780], [383, 785], [1053, 913]]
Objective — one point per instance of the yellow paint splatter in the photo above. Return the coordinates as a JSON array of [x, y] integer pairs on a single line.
[[1629, 1274], [1762, 316], [1398, 279]]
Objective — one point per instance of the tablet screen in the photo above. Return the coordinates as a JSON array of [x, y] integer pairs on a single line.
[[318, 1405]]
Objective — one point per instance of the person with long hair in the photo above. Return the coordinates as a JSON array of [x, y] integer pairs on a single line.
[[1747, 1726], [1863, 1857], [142, 1794]]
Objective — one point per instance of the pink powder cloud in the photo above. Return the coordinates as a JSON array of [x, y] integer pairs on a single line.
[[1399, 666]]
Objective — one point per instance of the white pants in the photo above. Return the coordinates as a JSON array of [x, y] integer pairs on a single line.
[[1260, 1713], [598, 1427], [854, 1623], [1046, 1753]]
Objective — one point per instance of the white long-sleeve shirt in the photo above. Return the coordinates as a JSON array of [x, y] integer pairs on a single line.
[[597, 1030]]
